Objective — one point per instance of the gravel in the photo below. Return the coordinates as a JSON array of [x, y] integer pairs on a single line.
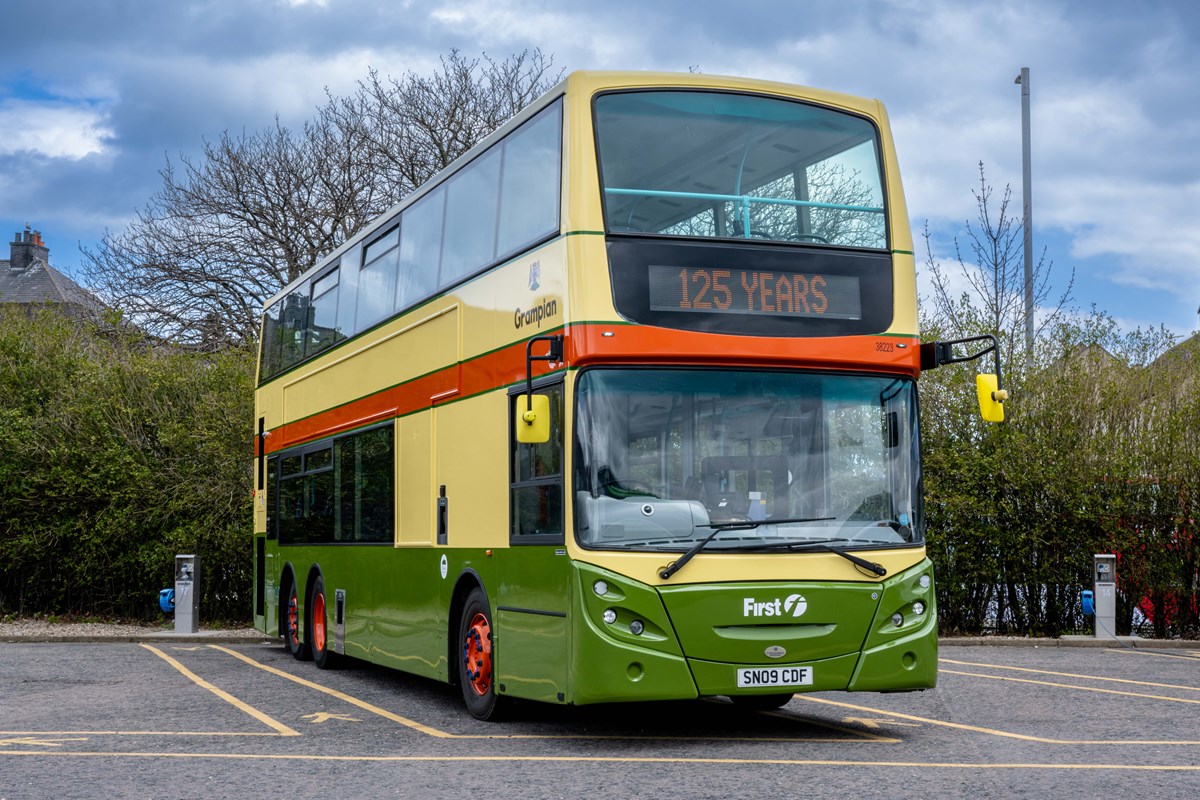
[[44, 631]]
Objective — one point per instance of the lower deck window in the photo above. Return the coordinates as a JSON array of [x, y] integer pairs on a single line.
[[339, 492]]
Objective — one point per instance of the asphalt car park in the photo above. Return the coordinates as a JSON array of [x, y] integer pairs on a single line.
[[231, 720]]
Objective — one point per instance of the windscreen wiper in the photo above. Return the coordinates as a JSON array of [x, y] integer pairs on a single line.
[[816, 544], [740, 525]]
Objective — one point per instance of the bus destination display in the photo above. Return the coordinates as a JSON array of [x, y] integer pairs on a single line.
[[743, 291]]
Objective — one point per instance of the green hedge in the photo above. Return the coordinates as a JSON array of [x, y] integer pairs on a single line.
[[116, 454], [1098, 455]]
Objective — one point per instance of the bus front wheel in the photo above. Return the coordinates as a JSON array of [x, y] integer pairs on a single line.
[[476, 658]]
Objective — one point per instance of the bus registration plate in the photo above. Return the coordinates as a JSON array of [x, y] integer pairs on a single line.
[[774, 676]]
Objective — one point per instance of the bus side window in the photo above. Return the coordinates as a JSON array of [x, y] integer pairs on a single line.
[[537, 478]]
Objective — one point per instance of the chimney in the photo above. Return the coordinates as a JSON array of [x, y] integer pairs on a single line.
[[26, 248]]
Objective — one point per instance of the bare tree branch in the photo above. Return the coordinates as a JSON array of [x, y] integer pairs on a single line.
[[991, 262], [254, 211]]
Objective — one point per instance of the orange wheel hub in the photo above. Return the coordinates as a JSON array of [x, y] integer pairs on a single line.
[[293, 619], [318, 622], [477, 654]]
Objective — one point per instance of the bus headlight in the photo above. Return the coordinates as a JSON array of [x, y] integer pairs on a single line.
[[600, 588], [897, 619], [610, 616], [636, 627], [918, 608]]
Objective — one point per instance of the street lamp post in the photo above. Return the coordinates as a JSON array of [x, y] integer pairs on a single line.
[[1027, 224]]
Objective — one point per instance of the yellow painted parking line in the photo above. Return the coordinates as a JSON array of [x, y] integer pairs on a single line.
[[989, 731], [786, 762], [354, 701], [875, 737], [1188, 657], [41, 740], [430, 731], [1071, 675], [1071, 686], [275, 725], [134, 733]]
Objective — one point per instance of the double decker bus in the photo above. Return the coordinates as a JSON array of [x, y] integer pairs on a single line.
[[620, 406]]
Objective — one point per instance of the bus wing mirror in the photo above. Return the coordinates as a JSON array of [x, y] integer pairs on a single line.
[[987, 386], [532, 424], [991, 398]]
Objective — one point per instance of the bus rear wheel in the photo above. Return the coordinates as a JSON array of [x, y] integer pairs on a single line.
[[476, 659], [298, 648], [318, 628]]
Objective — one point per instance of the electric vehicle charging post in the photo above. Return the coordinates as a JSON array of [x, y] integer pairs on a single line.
[[187, 594], [1104, 581]]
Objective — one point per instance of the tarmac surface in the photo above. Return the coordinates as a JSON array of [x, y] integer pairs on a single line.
[[231, 714]]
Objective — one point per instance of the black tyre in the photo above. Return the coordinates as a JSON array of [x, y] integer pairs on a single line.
[[291, 627], [318, 627], [476, 658], [762, 702]]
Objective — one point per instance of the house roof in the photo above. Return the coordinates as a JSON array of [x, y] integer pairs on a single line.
[[28, 279], [41, 283]]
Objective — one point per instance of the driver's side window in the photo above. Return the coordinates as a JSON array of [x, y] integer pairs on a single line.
[[537, 478]]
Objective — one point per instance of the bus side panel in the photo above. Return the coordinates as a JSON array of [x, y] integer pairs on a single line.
[[424, 346], [471, 463], [408, 612], [531, 609], [415, 492]]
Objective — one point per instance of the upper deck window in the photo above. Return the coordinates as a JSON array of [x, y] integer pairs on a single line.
[[503, 202], [724, 165]]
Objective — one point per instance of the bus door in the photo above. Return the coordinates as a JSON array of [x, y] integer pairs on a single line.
[[534, 592]]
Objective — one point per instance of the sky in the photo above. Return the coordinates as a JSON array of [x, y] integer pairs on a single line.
[[96, 95]]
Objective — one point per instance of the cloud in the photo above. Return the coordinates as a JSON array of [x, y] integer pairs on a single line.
[[55, 130]]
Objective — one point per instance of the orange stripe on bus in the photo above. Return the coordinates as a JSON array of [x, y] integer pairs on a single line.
[[596, 343], [591, 343]]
